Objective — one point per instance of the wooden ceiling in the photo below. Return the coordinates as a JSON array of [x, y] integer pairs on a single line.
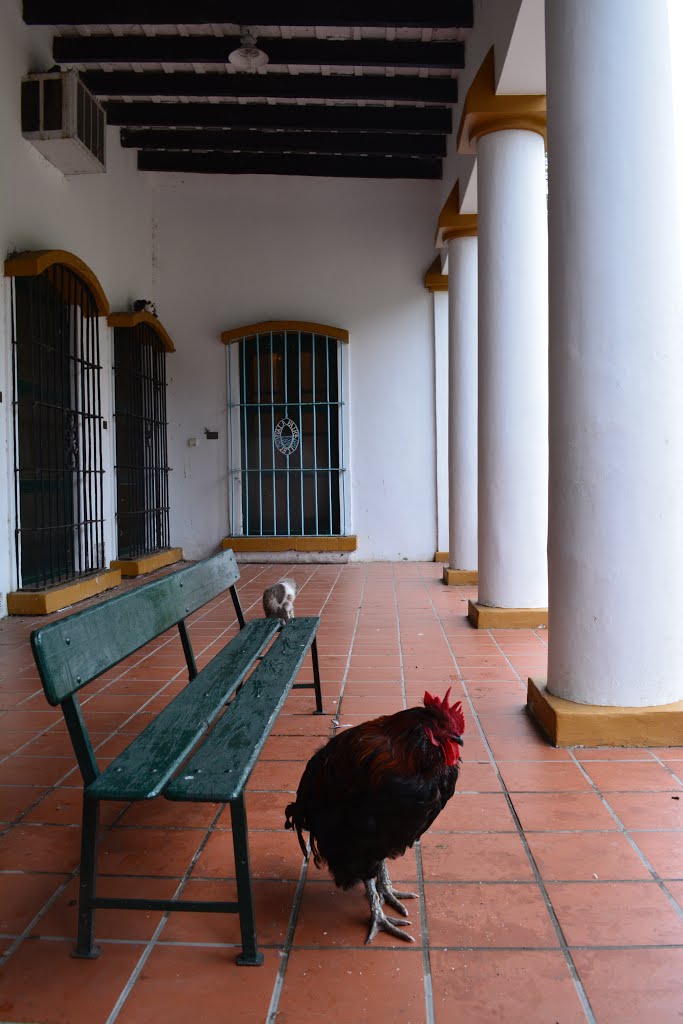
[[352, 90]]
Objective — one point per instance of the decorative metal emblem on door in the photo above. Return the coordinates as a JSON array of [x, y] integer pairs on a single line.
[[286, 436]]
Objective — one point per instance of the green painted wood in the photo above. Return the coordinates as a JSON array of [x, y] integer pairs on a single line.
[[145, 767], [220, 768], [74, 650]]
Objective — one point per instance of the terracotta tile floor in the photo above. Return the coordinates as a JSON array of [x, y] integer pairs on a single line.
[[551, 887]]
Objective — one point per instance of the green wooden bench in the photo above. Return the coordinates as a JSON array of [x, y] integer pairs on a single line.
[[73, 651]]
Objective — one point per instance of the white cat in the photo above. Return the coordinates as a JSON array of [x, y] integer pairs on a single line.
[[278, 600]]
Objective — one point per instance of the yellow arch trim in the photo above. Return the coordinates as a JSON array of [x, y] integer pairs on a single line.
[[266, 326], [142, 317], [31, 264]]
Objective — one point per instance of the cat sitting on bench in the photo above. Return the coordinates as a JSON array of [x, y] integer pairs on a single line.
[[278, 600]]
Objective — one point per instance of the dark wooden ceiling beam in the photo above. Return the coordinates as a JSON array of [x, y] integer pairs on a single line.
[[428, 14], [112, 49], [376, 143], [254, 163], [335, 87], [313, 117]]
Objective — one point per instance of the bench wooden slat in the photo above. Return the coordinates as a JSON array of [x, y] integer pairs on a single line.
[[219, 770], [72, 651], [145, 767]]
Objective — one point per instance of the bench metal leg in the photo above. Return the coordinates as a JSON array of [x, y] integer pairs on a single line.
[[85, 942], [316, 679], [250, 956]]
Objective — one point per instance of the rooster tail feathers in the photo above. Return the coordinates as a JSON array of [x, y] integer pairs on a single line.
[[454, 711], [291, 822]]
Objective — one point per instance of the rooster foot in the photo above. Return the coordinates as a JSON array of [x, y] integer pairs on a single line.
[[379, 919], [391, 895]]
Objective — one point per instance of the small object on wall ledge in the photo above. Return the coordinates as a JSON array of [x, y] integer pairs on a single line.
[[211, 435], [193, 442]]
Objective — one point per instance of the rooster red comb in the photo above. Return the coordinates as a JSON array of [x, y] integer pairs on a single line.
[[454, 711]]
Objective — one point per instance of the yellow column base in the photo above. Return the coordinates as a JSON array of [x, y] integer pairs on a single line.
[[440, 556], [568, 724], [460, 577], [148, 563], [483, 616], [44, 602]]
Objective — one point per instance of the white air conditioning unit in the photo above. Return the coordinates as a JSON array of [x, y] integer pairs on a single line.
[[64, 121]]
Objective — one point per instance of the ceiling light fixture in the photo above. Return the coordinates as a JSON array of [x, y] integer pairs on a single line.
[[248, 57]]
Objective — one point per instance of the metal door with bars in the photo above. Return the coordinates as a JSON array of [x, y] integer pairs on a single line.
[[287, 434], [142, 505], [57, 429]]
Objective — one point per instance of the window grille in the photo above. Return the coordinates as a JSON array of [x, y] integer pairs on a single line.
[[287, 434], [141, 441], [58, 429]]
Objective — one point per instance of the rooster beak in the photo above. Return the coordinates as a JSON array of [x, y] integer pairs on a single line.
[[458, 739]]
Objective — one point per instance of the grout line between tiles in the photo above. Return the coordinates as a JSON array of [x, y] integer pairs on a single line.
[[125, 992], [578, 984], [274, 1005]]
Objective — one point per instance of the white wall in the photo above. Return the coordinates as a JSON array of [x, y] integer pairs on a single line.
[[104, 219], [349, 253]]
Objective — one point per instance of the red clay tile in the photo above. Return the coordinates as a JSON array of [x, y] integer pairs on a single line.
[[488, 916], [148, 851], [612, 754], [349, 986], [631, 776], [485, 987], [475, 812], [478, 777], [585, 856], [539, 777], [42, 982], [481, 858], [40, 848], [272, 855], [648, 810], [562, 811], [202, 985], [632, 984], [664, 851], [22, 896], [615, 914]]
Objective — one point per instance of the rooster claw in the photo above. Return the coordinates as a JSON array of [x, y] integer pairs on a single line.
[[392, 925], [389, 894]]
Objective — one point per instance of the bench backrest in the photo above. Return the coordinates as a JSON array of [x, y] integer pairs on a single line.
[[74, 650]]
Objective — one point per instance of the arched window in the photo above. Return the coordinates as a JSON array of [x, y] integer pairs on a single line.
[[56, 302], [286, 420]]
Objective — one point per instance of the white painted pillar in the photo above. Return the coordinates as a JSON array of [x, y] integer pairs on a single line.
[[462, 402], [513, 369], [440, 299], [616, 364]]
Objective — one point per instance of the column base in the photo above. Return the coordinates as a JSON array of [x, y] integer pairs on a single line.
[[440, 556], [483, 616], [460, 577], [568, 724]]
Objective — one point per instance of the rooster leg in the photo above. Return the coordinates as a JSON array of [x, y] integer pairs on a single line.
[[389, 894], [379, 919]]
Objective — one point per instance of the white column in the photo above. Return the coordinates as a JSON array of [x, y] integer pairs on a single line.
[[462, 403], [616, 366], [513, 369], [440, 299]]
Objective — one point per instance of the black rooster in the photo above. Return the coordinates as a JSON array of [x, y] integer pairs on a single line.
[[372, 791]]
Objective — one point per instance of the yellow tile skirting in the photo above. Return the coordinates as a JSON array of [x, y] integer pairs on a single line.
[[460, 577], [483, 616], [290, 543], [440, 556], [44, 602], [568, 724], [140, 566]]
